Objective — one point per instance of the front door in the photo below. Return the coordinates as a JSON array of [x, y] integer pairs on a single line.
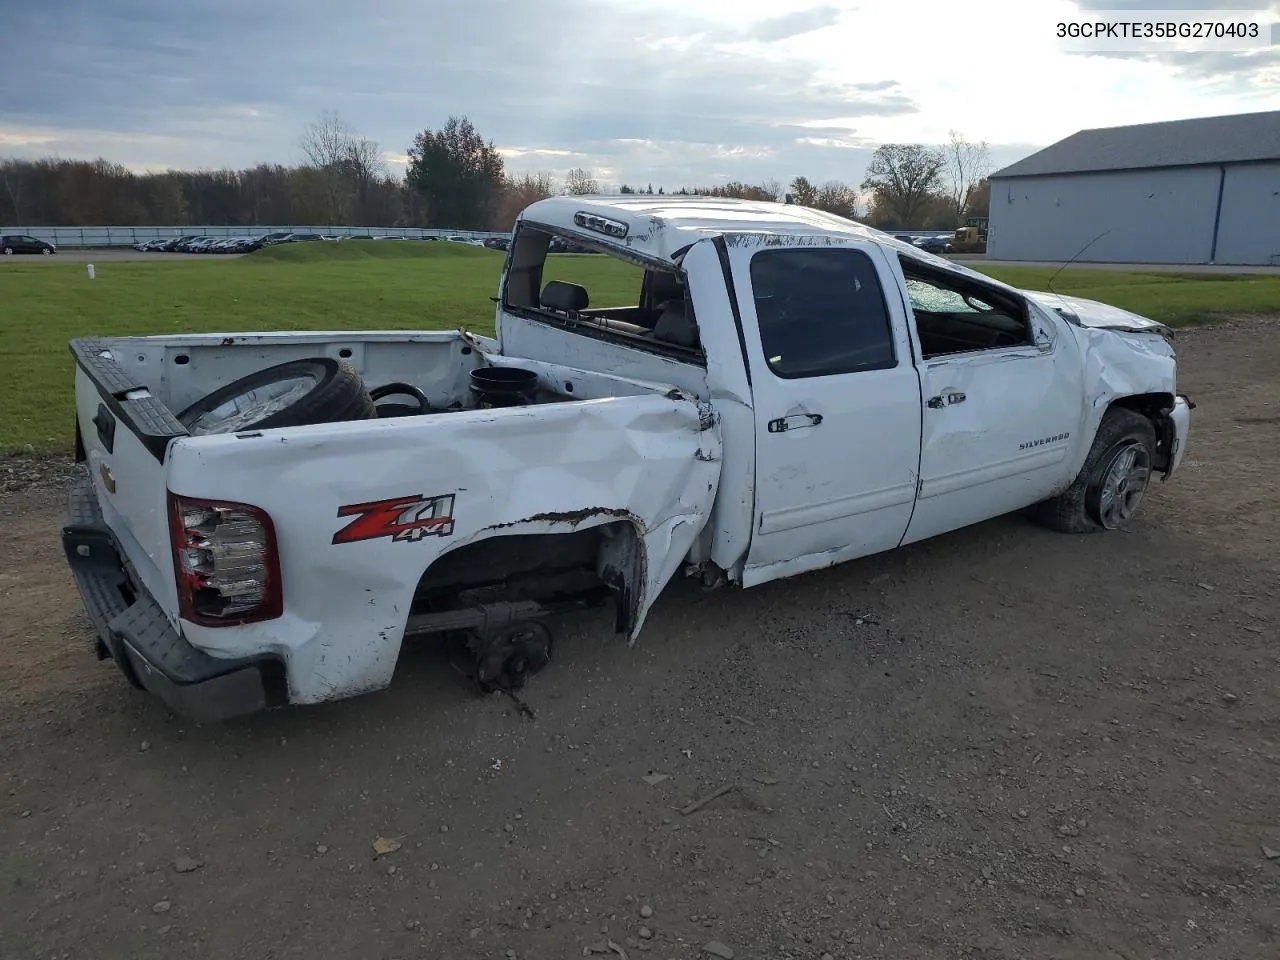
[[1002, 391], [837, 409]]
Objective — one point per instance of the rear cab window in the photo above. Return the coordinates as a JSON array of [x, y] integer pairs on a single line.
[[821, 312], [596, 292]]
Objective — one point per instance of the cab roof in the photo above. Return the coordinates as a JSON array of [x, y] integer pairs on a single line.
[[657, 226]]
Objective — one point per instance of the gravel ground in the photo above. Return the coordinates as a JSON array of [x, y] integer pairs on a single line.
[[1003, 743]]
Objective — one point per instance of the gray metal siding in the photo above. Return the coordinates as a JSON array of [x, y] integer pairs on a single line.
[[1249, 228], [1154, 216]]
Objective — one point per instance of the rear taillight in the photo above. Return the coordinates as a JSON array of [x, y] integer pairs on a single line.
[[225, 558]]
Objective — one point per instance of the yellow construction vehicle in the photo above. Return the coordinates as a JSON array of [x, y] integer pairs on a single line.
[[968, 240]]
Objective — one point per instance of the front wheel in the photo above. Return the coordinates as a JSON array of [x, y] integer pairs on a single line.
[[1111, 484], [46, 251]]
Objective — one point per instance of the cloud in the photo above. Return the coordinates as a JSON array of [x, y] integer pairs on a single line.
[[1251, 74], [552, 74], [643, 89], [794, 24], [1140, 5]]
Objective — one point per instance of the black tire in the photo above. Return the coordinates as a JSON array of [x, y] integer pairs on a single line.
[[1080, 508], [337, 394]]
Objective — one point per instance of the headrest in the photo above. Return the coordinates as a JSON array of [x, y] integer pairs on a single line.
[[663, 286], [565, 297], [675, 325]]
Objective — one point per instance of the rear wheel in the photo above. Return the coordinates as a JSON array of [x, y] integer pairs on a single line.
[[8, 251], [1110, 486]]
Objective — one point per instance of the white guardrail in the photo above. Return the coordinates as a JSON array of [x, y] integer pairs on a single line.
[[128, 236]]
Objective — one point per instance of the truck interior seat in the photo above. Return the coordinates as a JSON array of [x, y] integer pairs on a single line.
[[675, 325], [658, 288], [564, 297]]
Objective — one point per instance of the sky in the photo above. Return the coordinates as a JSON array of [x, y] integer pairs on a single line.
[[668, 92]]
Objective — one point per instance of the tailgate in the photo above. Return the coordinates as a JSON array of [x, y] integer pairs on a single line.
[[124, 432]]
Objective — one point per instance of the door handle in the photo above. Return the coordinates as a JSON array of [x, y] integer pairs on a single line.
[[795, 421], [942, 400], [106, 425]]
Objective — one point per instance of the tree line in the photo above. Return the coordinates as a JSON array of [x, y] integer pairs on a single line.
[[454, 179]]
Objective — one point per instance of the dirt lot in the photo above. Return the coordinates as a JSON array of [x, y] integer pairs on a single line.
[[1005, 743]]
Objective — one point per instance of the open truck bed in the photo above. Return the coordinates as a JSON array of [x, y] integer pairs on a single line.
[[628, 468]]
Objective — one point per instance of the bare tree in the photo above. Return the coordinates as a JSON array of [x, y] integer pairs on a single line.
[[967, 164], [14, 175], [324, 141], [518, 193], [904, 178], [352, 163], [579, 182]]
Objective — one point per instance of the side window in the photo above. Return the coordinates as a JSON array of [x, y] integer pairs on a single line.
[[821, 311], [958, 315]]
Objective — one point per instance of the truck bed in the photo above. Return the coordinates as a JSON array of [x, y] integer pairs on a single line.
[[627, 469]]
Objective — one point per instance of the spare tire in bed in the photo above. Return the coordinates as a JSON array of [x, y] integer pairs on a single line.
[[292, 394]]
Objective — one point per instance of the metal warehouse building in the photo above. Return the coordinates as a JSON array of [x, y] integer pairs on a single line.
[[1187, 191]]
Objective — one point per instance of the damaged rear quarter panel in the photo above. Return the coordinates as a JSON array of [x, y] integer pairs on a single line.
[[651, 459]]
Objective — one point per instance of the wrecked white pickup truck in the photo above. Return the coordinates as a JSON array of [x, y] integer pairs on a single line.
[[263, 519]]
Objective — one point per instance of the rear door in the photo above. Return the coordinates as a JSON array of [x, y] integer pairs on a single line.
[[837, 402]]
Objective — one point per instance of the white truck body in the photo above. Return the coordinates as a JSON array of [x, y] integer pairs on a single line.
[[665, 437]]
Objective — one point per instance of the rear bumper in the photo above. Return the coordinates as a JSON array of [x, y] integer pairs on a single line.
[[134, 632]]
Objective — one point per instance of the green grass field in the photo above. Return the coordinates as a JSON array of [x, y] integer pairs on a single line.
[[388, 285]]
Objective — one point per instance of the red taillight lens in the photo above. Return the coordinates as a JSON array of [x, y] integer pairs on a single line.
[[225, 558]]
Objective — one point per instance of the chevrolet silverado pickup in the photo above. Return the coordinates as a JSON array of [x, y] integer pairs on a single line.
[[264, 519]]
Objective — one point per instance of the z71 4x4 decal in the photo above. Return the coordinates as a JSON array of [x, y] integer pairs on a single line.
[[400, 518]]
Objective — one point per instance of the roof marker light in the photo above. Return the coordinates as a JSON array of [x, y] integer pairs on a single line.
[[591, 221]]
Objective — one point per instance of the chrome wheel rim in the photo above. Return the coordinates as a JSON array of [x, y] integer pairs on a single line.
[[1123, 484], [252, 406]]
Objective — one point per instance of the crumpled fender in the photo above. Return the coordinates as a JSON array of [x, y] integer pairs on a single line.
[[1121, 363]]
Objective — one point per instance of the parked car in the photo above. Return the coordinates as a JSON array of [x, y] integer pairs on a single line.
[[789, 391], [933, 244], [19, 243]]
